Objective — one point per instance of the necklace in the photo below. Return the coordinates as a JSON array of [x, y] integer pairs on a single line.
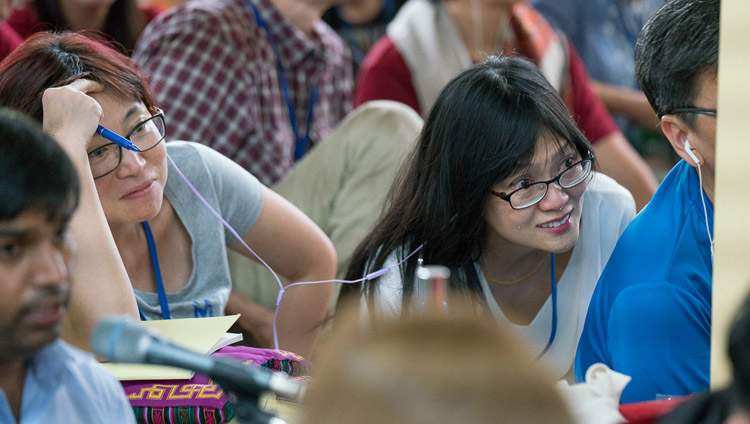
[[507, 283], [553, 294]]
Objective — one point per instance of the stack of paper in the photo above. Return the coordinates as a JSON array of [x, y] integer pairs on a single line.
[[201, 335]]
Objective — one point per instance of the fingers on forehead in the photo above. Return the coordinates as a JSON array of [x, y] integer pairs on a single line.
[[87, 86]]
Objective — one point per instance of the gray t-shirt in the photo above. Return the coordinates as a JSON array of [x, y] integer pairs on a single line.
[[236, 195]]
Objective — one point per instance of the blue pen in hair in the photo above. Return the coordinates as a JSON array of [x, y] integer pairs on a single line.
[[116, 138]]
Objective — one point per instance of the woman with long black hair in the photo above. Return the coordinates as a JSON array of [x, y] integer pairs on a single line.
[[500, 189]]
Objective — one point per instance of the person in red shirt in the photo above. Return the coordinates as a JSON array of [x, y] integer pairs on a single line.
[[9, 39], [118, 21]]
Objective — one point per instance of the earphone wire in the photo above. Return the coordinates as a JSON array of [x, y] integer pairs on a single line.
[[282, 289], [705, 210]]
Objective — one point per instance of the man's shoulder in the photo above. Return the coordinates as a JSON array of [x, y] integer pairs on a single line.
[[201, 33], [659, 222], [329, 36], [383, 51], [71, 367], [75, 387], [80, 362], [206, 15], [384, 59], [653, 246], [659, 227], [634, 259]]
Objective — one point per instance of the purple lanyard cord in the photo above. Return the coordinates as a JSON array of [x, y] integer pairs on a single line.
[[282, 289]]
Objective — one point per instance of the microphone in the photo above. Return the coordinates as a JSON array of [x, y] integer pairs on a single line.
[[120, 339]]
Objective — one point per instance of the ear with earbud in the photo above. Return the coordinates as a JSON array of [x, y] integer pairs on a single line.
[[689, 151]]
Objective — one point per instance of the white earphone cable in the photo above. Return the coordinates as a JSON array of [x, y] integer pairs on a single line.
[[705, 210]]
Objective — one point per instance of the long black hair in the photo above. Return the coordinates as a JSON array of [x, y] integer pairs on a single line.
[[483, 128]]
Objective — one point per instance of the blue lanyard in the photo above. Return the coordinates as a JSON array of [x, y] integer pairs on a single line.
[[553, 288], [157, 275], [301, 142]]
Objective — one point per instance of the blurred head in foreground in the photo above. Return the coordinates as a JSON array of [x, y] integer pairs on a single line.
[[436, 368]]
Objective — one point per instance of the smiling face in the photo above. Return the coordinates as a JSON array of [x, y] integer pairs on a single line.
[[551, 225], [36, 255], [134, 191]]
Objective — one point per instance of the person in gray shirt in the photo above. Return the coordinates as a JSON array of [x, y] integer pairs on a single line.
[[152, 220]]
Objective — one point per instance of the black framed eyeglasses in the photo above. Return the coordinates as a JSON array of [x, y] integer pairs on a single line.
[[531, 194], [146, 135], [693, 109]]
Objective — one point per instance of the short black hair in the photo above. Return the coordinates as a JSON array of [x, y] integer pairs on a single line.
[[678, 45], [35, 172]]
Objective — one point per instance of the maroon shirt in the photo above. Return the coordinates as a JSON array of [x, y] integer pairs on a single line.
[[26, 23], [9, 40], [385, 75]]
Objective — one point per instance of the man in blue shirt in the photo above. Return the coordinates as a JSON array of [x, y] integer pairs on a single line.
[[650, 315], [42, 379], [730, 404]]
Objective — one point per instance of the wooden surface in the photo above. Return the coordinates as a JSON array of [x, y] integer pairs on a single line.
[[731, 279]]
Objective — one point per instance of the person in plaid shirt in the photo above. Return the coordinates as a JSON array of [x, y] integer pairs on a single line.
[[228, 73]]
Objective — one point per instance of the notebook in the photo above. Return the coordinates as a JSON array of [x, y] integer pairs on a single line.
[[201, 335]]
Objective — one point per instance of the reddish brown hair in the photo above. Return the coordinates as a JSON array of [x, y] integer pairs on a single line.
[[47, 60]]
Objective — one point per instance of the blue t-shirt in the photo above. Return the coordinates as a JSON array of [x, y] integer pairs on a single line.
[[650, 315]]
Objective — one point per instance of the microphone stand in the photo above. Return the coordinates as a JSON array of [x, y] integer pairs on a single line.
[[245, 401]]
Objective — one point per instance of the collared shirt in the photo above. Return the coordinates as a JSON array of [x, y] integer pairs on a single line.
[[66, 385], [213, 70]]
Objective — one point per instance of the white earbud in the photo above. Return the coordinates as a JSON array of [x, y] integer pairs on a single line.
[[689, 151]]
